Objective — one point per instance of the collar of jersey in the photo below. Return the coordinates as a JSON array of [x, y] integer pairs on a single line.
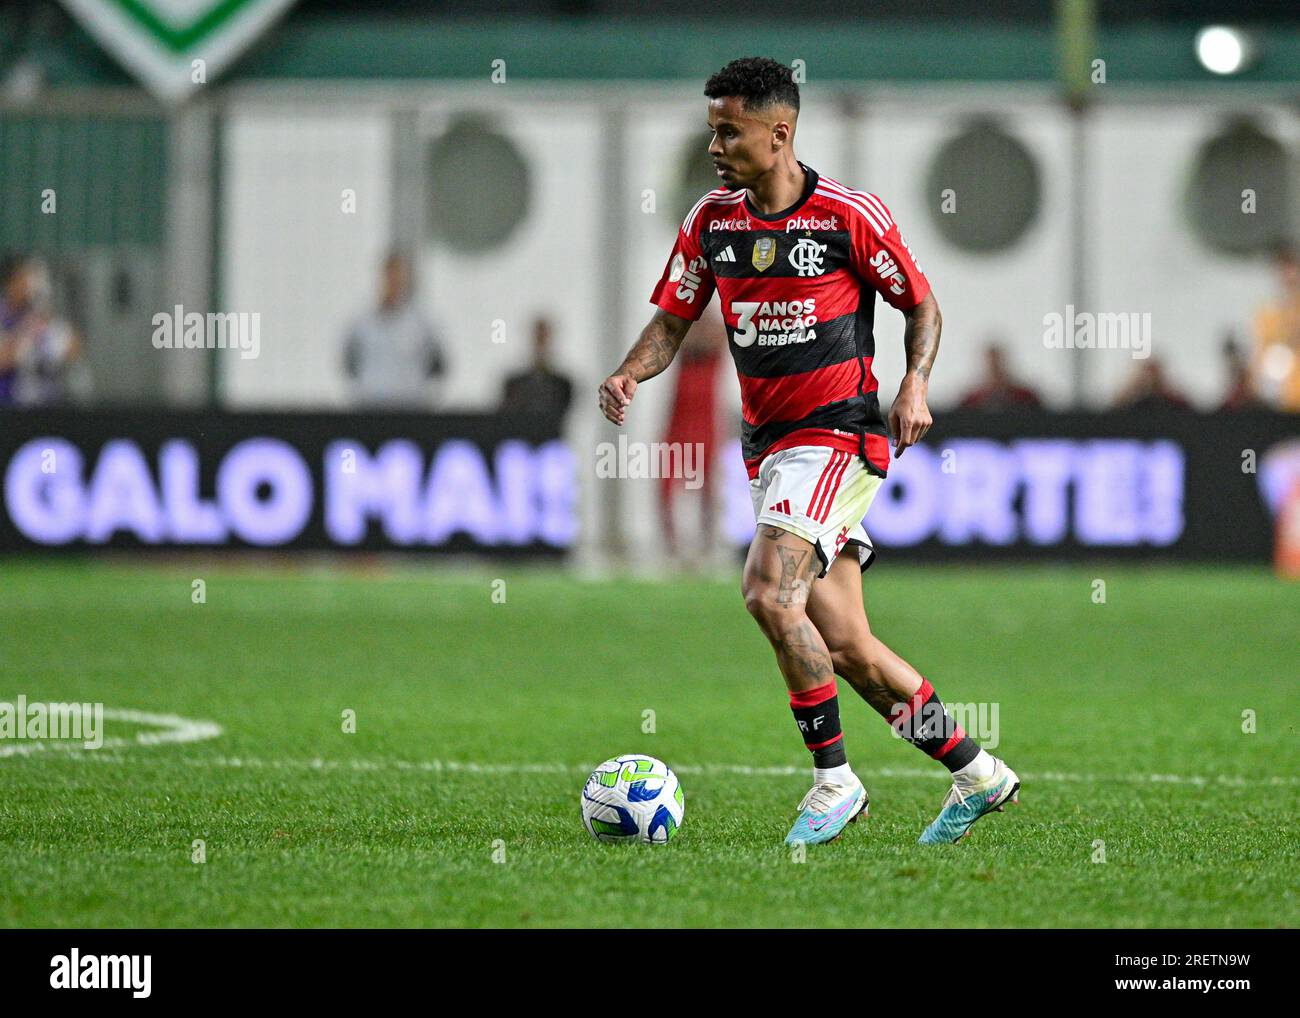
[[810, 185]]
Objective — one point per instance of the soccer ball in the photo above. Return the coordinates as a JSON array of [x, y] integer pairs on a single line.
[[632, 797]]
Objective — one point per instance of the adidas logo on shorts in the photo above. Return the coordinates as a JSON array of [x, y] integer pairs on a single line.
[[782, 507]]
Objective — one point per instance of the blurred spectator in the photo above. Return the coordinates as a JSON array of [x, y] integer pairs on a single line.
[[999, 390], [1149, 389], [1276, 364], [39, 350], [540, 389], [693, 418], [391, 354], [1241, 386]]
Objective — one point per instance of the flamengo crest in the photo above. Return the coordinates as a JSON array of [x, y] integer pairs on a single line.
[[806, 258]]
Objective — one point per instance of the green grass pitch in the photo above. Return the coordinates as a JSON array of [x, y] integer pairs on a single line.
[[1124, 720]]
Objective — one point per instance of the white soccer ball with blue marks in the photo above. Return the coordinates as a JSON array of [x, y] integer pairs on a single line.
[[633, 798]]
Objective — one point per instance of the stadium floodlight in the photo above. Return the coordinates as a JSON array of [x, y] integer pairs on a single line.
[[1223, 50]]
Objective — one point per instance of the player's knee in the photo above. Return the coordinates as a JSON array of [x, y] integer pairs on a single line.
[[773, 612], [757, 599]]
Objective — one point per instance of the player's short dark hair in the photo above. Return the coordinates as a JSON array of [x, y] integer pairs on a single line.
[[759, 82]]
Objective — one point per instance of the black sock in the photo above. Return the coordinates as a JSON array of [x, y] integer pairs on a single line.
[[817, 712], [925, 722]]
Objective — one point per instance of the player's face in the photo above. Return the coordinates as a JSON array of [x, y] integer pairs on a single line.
[[745, 145]]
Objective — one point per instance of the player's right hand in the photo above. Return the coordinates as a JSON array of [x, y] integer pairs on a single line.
[[616, 393]]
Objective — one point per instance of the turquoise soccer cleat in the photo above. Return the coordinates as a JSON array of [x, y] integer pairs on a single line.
[[826, 810], [961, 808]]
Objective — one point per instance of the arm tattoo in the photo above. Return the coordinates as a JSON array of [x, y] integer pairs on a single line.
[[656, 348], [921, 337]]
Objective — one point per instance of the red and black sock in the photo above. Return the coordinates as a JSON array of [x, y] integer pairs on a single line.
[[817, 712], [925, 722]]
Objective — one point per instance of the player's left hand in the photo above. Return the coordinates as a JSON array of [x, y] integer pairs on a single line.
[[909, 418]]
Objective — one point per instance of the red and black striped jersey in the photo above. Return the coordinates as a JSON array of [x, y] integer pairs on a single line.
[[798, 293]]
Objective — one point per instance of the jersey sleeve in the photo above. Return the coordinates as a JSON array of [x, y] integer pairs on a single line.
[[687, 283], [882, 258]]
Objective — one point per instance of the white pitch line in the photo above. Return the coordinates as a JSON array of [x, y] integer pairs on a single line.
[[174, 729], [729, 769]]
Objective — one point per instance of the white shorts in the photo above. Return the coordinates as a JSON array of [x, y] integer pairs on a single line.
[[819, 494]]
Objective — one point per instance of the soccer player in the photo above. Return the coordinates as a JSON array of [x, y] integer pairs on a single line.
[[797, 260]]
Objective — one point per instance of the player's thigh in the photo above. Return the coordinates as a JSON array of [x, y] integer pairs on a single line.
[[835, 606], [779, 570]]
